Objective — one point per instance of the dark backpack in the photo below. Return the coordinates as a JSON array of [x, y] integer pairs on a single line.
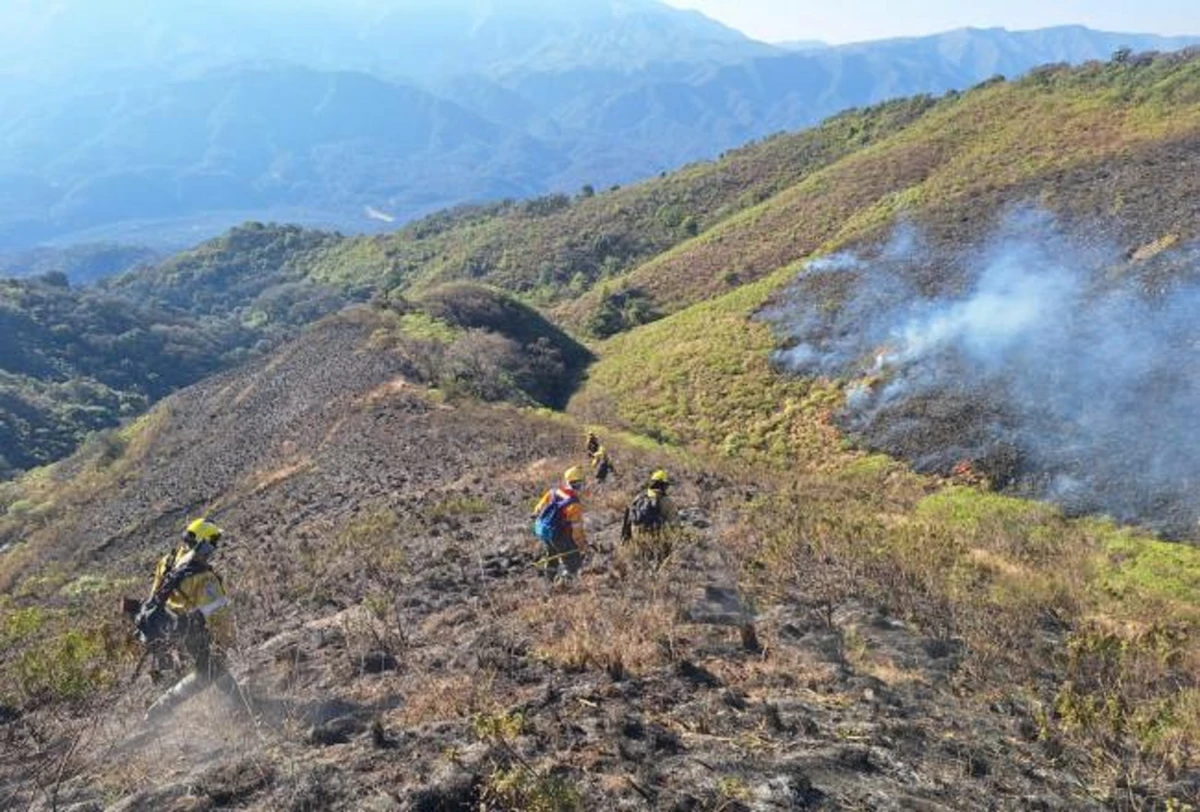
[[645, 512], [154, 623], [548, 522]]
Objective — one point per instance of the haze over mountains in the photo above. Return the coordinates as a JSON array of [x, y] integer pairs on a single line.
[[164, 124]]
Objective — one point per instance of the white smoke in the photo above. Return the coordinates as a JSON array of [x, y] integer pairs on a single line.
[[1049, 351], [1015, 300], [841, 261]]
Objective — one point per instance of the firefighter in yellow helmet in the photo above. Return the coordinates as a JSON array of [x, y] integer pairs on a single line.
[[558, 524], [649, 516], [189, 609], [598, 455]]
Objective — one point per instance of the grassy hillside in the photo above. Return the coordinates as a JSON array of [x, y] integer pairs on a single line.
[[989, 567], [1098, 627], [1109, 144], [1083, 144], [259, 282], [556, 247], [392, 633]]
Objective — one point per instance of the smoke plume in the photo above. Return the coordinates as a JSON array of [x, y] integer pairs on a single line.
[[1048, 362]]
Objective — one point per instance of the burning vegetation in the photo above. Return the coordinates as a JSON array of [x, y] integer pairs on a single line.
[[1046, 365]]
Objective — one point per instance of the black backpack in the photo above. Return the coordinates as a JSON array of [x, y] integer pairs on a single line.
[[645, 512], [153, 621]]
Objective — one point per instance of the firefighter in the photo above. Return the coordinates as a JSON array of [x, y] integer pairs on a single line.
[[558, 523], [189, 609], [649, 518], [598, 455]]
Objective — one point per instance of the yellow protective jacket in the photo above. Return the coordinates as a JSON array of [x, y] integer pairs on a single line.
[[572, 514], [201, 591]]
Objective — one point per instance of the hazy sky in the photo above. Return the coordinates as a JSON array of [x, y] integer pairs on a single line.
[[851, 20]]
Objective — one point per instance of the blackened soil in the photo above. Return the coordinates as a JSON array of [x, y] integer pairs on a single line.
[[397, 649]]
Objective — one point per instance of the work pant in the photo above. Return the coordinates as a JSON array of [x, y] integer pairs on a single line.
[[561, 556], [603, 470], [208, 668], [650, 546]]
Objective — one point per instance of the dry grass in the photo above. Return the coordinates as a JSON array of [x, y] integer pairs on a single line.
[[440, 697], [391, 389], [591, 629], [778, 669], [885, 670], [267, 479]]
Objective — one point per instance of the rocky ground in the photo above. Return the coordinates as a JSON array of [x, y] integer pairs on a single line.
[[397, 648]]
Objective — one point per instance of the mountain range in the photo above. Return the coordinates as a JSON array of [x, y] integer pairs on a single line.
[[145, 123]]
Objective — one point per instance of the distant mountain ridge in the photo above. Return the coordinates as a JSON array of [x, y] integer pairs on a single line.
[[394, 111], [419, 39], [255, 138], [691, 107]]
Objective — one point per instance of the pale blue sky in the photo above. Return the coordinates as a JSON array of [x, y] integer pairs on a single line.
[[839, 21]]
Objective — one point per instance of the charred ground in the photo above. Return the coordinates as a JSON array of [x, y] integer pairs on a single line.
[[1047, 363], [400, 651]]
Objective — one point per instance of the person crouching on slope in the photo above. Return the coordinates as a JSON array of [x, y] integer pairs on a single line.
[[558, 524], [188, 607]]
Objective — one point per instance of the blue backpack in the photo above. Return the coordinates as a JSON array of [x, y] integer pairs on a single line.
[[547, 522]]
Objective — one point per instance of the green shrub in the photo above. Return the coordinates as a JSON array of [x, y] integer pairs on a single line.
[[518, 789], [66, 666], [17, 626]]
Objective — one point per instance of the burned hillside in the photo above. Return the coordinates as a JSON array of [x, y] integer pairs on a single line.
[[825, 629], [399, 651], [1048, 364]]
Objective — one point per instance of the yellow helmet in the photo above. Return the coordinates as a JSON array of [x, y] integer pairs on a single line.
[[202, 530], [574, 476], [660, 476]]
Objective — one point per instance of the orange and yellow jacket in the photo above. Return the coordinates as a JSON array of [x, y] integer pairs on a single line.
[[202, 591], [572, 514]]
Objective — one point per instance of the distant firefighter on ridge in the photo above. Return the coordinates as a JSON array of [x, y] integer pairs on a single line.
[[598, 456]]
